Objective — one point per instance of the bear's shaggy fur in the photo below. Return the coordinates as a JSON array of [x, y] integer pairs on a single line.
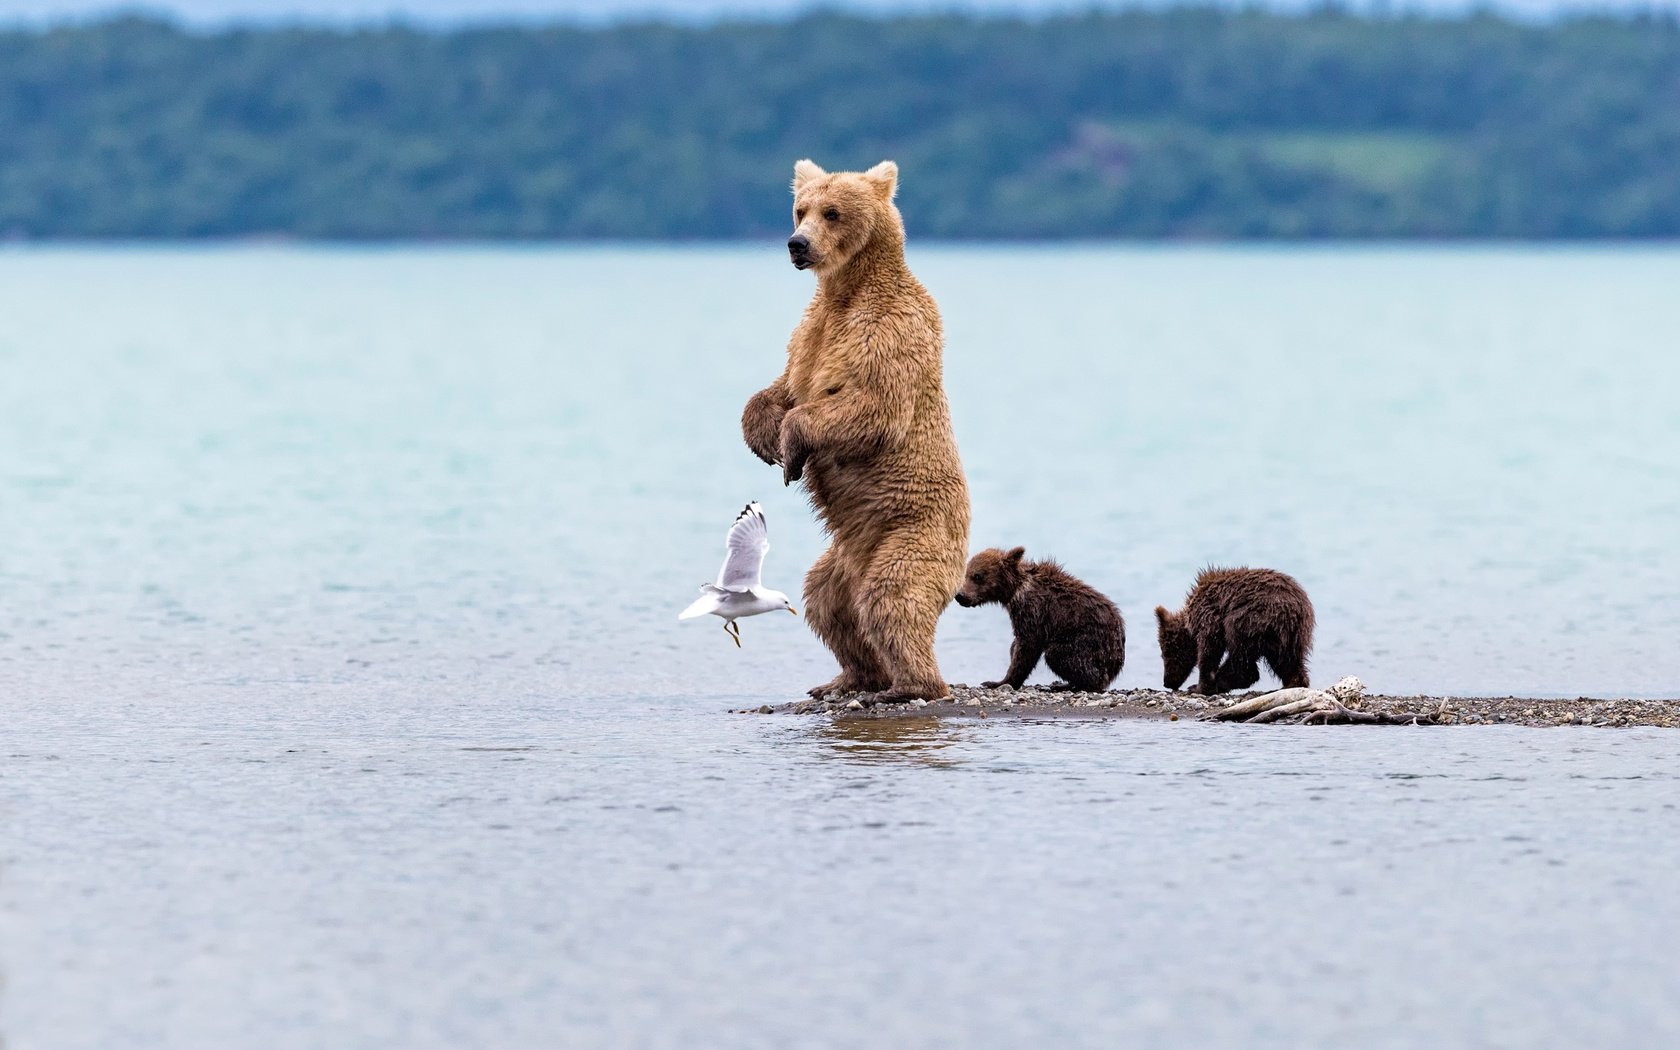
[[860, 415], [1077, 630], [1245, 616]]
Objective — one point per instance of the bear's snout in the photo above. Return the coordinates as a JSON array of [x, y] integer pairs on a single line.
[[799, 250], [964, 600]]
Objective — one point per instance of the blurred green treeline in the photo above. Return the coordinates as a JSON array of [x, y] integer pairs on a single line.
[[1175, 123]]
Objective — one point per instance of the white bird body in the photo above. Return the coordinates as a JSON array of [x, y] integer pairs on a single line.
[[732, 605], [739, 590]]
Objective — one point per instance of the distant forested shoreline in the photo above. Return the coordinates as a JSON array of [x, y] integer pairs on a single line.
[[1182, 123]]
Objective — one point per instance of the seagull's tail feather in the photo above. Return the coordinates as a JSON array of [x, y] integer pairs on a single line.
[[701, 606]]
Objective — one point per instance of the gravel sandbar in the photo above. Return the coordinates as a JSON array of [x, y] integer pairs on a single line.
[[1159, 704]]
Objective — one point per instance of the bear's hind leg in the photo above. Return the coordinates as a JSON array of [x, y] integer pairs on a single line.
[[899, 606], [829, 599], [1290, 667], [1240, 670], [1080, 667]]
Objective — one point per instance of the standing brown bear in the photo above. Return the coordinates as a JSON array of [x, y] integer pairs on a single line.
[[1244, 615], [1079, 632], [860, 415]]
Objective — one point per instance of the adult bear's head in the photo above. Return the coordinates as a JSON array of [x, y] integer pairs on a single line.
[[837, 214]]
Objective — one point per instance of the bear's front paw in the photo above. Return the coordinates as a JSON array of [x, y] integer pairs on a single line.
[[996, 685], [795, 450], [761, 426]]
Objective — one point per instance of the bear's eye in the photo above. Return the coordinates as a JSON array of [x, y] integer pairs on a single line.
[[799, 214], [973, 577], [832, 215]]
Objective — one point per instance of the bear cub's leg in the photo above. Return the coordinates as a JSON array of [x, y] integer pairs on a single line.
[[1024, 655], [1077, 663], [1209, 650], [1241, 668], [1289, 666]]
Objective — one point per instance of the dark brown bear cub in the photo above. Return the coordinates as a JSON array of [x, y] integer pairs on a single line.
[[1078, 631], [1244, 616]]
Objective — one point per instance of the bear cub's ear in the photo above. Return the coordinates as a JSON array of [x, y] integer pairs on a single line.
[[804, 172], [884, 177], [1162, 616], [1015, 555]]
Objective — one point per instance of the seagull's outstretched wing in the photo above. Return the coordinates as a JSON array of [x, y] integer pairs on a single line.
[[749, 539]]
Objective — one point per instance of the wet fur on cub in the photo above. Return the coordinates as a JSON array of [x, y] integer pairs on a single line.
[[1243, 616], [1079, 632]]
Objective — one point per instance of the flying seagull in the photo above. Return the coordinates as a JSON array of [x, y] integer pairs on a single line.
[[739, 591]]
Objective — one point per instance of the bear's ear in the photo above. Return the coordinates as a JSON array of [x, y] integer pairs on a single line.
[[804, 172], [884, 178], [1162, 616], [1015, 555]]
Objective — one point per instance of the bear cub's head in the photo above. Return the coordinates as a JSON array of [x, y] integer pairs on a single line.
[[1178, 647], [836, 214], [993, 575]]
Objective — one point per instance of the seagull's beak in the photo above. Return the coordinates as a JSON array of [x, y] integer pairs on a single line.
[[792, 610]]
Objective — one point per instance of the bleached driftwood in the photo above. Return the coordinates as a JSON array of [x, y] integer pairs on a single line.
[[1337, 705], [1340, 715], [1242, 710]]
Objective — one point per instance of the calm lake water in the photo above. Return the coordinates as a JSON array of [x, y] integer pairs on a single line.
[[346, 704]]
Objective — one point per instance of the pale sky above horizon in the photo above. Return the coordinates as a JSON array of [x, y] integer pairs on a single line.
[[214, 11]]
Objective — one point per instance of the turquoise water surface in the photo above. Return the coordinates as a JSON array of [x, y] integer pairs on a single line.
[[347, 705]]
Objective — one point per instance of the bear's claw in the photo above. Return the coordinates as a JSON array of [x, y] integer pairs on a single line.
[[793, 469]]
